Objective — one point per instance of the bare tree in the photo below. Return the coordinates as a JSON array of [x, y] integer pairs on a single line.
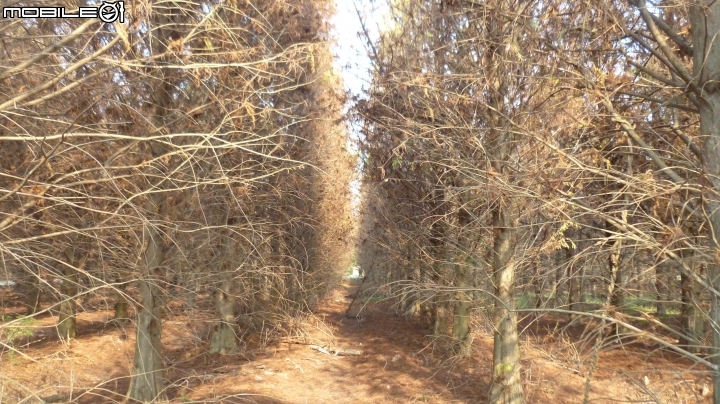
[[195, 146]]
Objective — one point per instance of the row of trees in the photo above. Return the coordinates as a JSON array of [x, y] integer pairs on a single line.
[[518, 149], [197, 144]]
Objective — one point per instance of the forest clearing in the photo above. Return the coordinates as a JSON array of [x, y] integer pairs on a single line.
[[502, 201]]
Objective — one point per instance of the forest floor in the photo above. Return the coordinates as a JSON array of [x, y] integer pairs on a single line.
[[398, 364]]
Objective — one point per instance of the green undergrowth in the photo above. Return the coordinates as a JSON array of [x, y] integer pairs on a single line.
[[16, 327]]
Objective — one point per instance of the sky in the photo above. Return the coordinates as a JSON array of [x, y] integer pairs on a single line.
[[352, 59]]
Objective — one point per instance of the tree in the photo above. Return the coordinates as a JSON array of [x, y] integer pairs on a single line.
[[584, 117], [705, 23], [197, 144]]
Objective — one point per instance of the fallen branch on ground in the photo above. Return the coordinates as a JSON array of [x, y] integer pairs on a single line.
[[337, 350]]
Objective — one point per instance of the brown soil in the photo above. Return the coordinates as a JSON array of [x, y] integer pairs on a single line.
[[399, 363]]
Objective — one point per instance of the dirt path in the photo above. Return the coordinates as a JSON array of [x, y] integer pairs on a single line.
[[391, 369], [397, 365]]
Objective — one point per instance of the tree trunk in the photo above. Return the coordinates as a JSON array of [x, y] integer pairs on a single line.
[[506, 387], [537, 283], [66, 327], [692, 321], [121, 304], [689, 316], [573, 283], [461, 316], [191, 293], [614, 271], [146, 382], [34, 292], [146, 375], [121, 310], [224, 338], [582, 286], [463, 281], [507, 384], [555, 293], [661, 288], [705, 25], [439, 243], [617, 298], [439, 314], [439, 306]]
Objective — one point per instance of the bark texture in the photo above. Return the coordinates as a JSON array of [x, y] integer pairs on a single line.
[[461, 316], [224, 339], [705, 22], [146, 375], [507, 384], [463, 281], [146, 383], [573, 282], [67, 327]]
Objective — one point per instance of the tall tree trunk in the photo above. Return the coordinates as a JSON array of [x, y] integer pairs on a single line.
[[616, 275], [34, 292], [439, 314], [661, 288], [705, 24], [556, 290], [582, 286], [692, 321], [537, 283], [439, 243], [507, 384], [146, 375], [461, 316], [224, 339], [463, 281], [191, 291], [67, 327], [573, 282], [121, 304], [618, 296], [691, 328], [614, 271], [146, 383]]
